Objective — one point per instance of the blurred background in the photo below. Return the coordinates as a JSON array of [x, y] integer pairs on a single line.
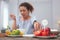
[[43, 9]]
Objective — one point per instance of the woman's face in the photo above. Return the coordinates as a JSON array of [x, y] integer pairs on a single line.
[[24, 12]]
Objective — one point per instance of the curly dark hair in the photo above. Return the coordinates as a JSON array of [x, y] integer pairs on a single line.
[[27, 5]]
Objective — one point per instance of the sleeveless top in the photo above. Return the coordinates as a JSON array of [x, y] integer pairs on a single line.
[[27, 25]]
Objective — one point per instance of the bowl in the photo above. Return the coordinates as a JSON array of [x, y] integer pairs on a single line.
[[55, 31]]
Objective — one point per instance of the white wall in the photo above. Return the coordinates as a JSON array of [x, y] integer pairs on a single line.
[[0, 13], [1, 16], [55, 12], [13, 6]]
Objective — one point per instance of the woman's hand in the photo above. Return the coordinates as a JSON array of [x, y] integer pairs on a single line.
[[12, 16], [37, 26]]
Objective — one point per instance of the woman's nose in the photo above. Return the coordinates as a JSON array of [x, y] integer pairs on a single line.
[[22, 12]]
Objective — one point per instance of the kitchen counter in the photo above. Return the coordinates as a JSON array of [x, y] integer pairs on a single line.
[[26, 38]]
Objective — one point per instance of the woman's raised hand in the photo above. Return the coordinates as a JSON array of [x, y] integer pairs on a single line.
[[12, 16], [37, 26]]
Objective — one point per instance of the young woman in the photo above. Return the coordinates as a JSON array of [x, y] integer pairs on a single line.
[[25, 21]]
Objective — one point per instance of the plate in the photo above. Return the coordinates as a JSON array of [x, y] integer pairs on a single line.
[[14, 36], [45, 36], [27, 35]]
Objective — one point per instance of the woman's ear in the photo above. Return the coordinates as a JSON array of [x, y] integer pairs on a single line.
[[29, 11]]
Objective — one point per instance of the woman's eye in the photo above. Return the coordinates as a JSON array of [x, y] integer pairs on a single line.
[[22, 10]]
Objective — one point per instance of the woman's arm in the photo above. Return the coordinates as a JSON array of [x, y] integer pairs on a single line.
[[13, 17], [14, 25], [37, 26]]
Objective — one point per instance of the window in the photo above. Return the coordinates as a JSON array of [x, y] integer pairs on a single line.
[[4, 13]]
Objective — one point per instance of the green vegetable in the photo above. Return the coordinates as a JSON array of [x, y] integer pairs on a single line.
[[15, 32]]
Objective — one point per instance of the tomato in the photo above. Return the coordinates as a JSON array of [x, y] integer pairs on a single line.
[[36, 33], [43, 32], [46, 31]]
